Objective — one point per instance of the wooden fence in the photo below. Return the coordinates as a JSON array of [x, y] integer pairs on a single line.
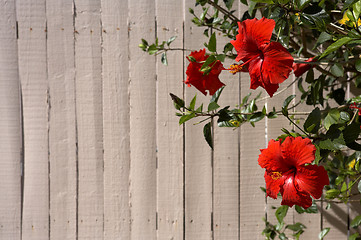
[[90, 146]]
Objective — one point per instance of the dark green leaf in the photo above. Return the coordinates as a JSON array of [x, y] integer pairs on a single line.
[[262, 1], [282, 236], [332, 117], [178, 102], [286, 103], [348, 3], [351, 132], [164, 59], [356, 221], [312, 123], [310, 77], [212, 106], [212, 44], [281, 212], [258, 116], [217, 94], [207, 132], [206, 64], [358, 65], [323, 233], [337, 70], [324, 37], [228, 3], [336, 45]]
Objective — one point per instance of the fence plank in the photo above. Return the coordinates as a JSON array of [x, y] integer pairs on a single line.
[[252, 199], [142, 122], [226, 157], [115, 119], [62, 128], [33, 75], [198, 155], [10, 126], [169, 133], [89, 119]]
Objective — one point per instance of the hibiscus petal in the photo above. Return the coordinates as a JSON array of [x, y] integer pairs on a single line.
[[312, 179], [271, 158], [301, 68], [273, 185], [277, 64], [257, 79], [252, 34], [298, 151], [291, 196]]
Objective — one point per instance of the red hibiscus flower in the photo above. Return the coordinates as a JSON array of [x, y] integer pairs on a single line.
[[354, 106], [301, 68], [289, 171], [203, 81], [268, 63]]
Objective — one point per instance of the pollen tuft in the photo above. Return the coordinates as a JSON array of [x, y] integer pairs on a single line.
[[235, 68], [276, 175]]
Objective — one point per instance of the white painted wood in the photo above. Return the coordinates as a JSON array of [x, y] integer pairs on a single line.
[[169, 133], [226, 157], [10, 126], [62, 119], [198, 155], [116, 123], [89, 119], [252, 199], [33, 75], [143, 177]]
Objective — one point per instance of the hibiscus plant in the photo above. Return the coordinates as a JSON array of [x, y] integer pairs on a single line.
[[320, 43]]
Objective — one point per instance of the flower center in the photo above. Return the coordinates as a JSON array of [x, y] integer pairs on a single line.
[[276, 175], [235, 68]]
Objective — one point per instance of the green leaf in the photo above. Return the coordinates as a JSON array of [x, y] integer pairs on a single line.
[[296, 227], [206, 64], [332, 193], [178, 102], [337, 70], [354, 236], [333, 145], [152, 49], [281, 212], [212, 44], [212, 106], [358, 65], [286, 103], [164, 59], [324, 37], [332, 118], [310, 77], [217, 94], [351, 132], [228, 3], [193, 102], [348, 3], [356, 221], [171, 39], [263, 1], [207, 132], [187, 117], [336, 45], [323, 233], [282, 236], [312, 123]]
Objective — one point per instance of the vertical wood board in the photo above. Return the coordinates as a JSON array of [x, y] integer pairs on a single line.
[[170, 147], [198, 155], [114, 16], [62, 120], [143, 177], [89, 119], [33, 76], [10, 126]]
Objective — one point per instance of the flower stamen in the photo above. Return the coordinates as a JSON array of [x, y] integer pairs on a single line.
[[276, 175], [235, 68]]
